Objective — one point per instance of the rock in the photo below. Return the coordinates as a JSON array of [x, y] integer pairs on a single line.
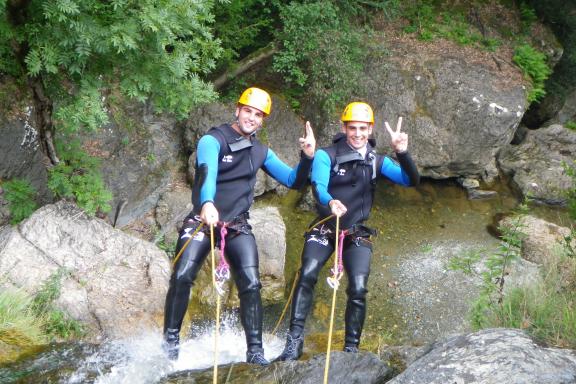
[[480, 194], [535, 165], [542, 245], [20, 152], [491, 356], [112, 282], [171, 209], [459, 108], [468, 183], [140, 153], [361, 368]]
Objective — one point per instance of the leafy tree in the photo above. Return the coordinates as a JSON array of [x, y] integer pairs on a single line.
[[321, 52], [69, 52]]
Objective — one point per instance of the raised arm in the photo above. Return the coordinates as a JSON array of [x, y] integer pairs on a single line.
[[294, 178]]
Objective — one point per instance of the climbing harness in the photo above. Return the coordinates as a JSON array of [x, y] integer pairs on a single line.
[[295, 282], [215, 371], [186, 244], [334, 282]]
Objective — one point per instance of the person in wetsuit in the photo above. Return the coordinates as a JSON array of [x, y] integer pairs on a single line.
[[228, 157], [344, 178]]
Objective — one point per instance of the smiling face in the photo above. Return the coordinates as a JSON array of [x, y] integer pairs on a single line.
[[249, 119], [357, 133]]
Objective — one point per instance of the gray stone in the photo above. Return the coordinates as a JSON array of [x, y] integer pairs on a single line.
[[542, 245], [491, 356], [140, 153], [349, 368], [535, 165], [112, 282], [480, 194], [20, 153]]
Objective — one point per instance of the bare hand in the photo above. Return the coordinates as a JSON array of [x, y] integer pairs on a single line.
[[338, 209], [308, 143], [209, 214], [399, 140]]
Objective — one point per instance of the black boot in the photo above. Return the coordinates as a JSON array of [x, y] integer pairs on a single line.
[[351, 348], [171, 344], [292, 349], [256, 356]]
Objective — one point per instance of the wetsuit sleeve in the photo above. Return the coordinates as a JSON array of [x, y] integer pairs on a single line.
[[321, 176], [293, 178], [404, 172], [207, 157]]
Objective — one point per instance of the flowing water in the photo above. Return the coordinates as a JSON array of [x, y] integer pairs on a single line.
[[413, 297]]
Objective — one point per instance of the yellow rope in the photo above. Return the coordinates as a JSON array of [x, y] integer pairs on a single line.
[[215, 372], [186, 244], [320, 222], [327, 366], [287, 302], [295, 282]]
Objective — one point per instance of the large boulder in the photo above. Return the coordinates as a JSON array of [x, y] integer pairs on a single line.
[[536, 165], [543, 242], [112, 282], [140, 155], [361, 368], [459, 106], [491, 356]]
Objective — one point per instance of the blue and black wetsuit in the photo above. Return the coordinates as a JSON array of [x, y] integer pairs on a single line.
[[339, 172], [226, 166]]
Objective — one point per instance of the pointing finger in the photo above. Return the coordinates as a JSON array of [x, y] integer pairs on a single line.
[[390, 131], [399, 124]]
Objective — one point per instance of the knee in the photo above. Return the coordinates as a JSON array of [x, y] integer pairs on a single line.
[[357, 288], [309, 274], [248, 281], [183, 275]]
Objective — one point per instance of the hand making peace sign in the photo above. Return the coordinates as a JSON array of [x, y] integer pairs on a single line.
[[308, 143], [398, 140]]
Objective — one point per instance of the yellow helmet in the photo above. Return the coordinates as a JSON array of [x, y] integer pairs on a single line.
[[256, 98], [358, 111]]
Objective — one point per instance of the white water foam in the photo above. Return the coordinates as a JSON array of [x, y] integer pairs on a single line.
[[141, 360]]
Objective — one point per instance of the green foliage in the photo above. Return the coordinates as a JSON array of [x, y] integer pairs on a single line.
[[21, 199], [533, 65], [57, 323], [148, 49], [78, 177], [490, 300], [18, 323], [570, 125], [544, 310], [430, 22], [244, 26], [321, 52], [527, 15]]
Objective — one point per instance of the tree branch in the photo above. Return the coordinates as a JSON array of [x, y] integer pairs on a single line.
[[243, 66]]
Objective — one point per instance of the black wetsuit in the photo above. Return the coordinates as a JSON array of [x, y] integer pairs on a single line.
[[341, 173], [234, 161]]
